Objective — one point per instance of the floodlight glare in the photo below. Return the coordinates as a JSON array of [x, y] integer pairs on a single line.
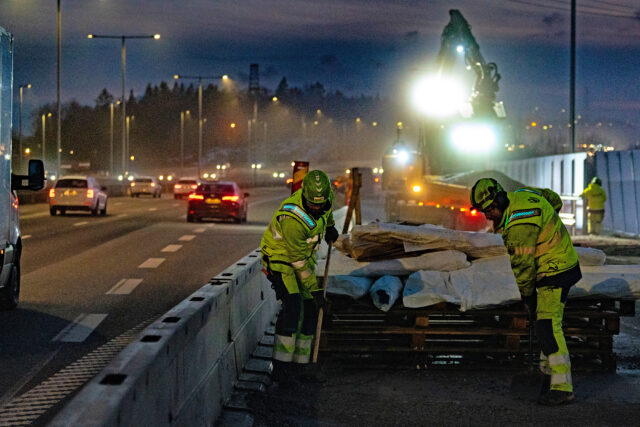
[[402, 156], [460, 48], [474, 137], [438, 96]]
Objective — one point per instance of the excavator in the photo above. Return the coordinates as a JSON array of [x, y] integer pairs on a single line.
[[411, 178]]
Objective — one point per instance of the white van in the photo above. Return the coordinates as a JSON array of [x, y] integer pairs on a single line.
[[10, 238]]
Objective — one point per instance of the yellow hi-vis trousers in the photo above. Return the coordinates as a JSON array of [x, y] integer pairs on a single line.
[[554, 357], [594, 221]]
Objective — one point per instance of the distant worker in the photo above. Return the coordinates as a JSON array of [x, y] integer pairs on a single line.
[[545, 266], [596, 197], [288, 250]]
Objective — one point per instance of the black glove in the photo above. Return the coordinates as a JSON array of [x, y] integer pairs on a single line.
[[531, 302], [331, 235], [320, 301]]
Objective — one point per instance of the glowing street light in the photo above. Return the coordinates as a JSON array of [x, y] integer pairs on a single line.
[[438, 96], [123, 52]]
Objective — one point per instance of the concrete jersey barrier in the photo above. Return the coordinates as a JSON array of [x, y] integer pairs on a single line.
[[182, 368]]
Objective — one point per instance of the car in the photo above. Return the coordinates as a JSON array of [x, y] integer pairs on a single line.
[[184, 186], [145, 185], [222, 200], [77, 193]]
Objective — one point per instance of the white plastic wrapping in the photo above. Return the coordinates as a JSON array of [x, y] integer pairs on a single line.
[[440, 261], [425, 288], [355, 287], [590, 256], [385, 291]]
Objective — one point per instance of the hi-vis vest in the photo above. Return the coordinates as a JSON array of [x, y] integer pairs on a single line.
[[292, 239], [537, 241], [596, 197]]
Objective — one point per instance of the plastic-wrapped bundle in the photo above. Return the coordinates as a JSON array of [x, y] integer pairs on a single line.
[[355, 287], [385, 291], [590, 256], [425, 288]]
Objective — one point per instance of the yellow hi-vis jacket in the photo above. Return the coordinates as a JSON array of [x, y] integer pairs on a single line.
[[596, 197], [291, 240], [538, 243]]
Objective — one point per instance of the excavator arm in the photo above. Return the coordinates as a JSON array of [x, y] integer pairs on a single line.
[[458, 33]]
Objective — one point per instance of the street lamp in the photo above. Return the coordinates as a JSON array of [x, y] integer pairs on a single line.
[[182, 114], [124, 72], [111, 107], [21, 87], [200, 78], [44, 136]]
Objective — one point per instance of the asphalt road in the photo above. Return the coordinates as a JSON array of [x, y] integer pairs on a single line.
[[87, 280]]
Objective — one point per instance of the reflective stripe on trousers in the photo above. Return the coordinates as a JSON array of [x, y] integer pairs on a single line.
[[302, 352], [557, 364], [284, 348]]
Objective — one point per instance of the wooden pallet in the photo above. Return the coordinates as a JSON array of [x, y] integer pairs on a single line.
[[358, 328]]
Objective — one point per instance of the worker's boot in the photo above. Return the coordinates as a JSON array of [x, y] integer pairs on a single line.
[[283, 373], [556, 397], [310, 373], [545, 387]]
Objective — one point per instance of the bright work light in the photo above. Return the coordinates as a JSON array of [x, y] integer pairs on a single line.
[[402, 156], [473, 137], [438, 96]]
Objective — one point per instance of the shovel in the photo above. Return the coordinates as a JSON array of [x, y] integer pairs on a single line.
[[526, 385], [316, 346]]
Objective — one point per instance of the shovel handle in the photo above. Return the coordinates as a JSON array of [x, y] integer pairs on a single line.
[[316, 346]]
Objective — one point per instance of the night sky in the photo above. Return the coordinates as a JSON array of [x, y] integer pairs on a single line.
[[356, 46]]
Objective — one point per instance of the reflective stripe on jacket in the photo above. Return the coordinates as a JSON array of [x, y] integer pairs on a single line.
[[538, 243], [292, 239], [596, 197]]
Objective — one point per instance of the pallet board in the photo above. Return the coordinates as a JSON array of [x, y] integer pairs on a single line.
[[357, 328]]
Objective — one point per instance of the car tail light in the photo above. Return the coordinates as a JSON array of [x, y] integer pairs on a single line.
[[89, 194], [52, 193], [230, 198], [194, 186], [474, 212], [177, 186], [194, 196]]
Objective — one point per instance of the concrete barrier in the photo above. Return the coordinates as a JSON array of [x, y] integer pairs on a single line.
[[182, 368]]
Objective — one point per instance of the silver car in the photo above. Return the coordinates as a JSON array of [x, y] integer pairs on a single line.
[[78, 193], [145, 185]]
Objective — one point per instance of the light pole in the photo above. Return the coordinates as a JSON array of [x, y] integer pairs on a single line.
[[182, 115], [21, 87], [111, 107], [44, 137], [59, 105], [200, 78], [129, 121], [124, 72]]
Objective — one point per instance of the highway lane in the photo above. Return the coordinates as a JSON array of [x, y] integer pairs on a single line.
[[87, 280]]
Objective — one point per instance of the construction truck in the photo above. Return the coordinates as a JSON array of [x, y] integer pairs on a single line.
[[411, 178]]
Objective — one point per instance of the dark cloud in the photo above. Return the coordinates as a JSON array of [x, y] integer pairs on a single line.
[[328, 60], [553, 19]]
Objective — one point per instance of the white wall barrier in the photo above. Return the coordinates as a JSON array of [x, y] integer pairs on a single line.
[[563, 173], [620, 174], [182, 368]]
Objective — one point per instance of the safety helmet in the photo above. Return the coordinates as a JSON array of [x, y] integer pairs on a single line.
[[596, 180], [316, 187], [484, 193]]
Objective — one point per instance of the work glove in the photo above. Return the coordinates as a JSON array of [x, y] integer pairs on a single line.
[[331, 235], [320, 301], [531, 302]]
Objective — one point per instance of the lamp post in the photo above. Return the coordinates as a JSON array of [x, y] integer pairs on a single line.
[[44, 137], [124, 38], [200, 78], [21, 88], [182, 115], [59, 105]]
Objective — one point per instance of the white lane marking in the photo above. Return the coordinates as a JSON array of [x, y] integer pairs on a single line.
[[187, 238], [152, 263], [171, 248], [176, 204], [118, 203], [153, 209], [26, 236], [181, 216], [78, 224], [80, 329], [236, 228], [35, 215], [199, 230], [27, 378], [124, 287], [122, 215]]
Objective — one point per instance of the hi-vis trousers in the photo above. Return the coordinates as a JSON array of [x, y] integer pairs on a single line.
[[296, 324], [554, 357]]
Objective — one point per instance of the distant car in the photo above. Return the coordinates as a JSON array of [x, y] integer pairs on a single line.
[[145, 185], [222, 200], [183, 187], [77, 193]]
